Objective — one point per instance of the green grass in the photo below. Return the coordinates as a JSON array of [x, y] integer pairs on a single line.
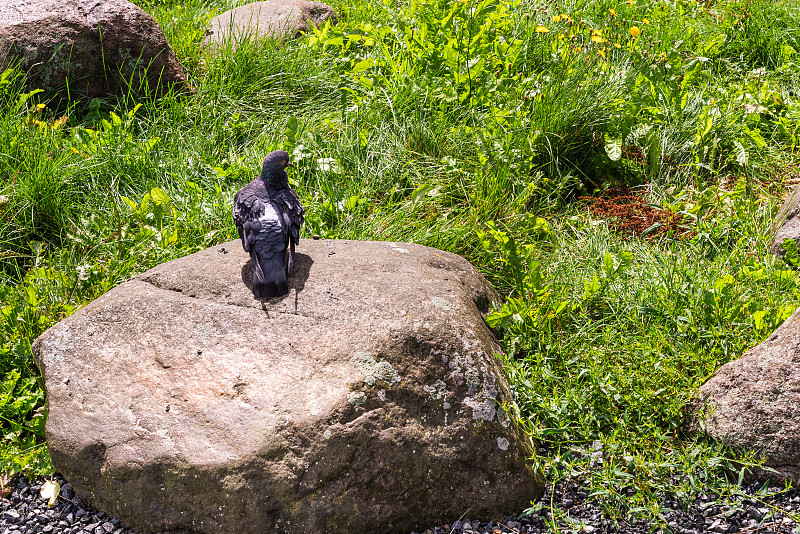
[[468, 127]]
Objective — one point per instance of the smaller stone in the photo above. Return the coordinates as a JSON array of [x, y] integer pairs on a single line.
[[11, 515], [108, 526], [60, 43], [719, 526], [273, 18]]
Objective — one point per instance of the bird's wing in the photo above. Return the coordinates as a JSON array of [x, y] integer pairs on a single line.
[[248, 208], [292, 213]]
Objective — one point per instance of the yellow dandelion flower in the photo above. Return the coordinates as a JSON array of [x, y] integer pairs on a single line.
[[541, 29], [612, 12], [598, 39], [617, 45], [557, 18], [74, 150], [645, 22], [601, 53], [630, 2], [634, 31], [58, 123]]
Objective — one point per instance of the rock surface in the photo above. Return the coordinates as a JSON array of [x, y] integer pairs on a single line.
[[787, 222], [751, 403], [87, 48], [365, 400], [274, 18]]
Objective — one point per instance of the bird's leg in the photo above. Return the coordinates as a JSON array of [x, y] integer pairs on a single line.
[[290, 259]]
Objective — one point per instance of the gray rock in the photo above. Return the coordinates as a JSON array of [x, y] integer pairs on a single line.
[[357, 402], [274, 18], [87, 48], [751, 403], [787, 223], [11, 516]]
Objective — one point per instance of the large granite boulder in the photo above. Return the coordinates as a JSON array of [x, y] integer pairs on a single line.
[[369, 399], [89, 48], [273, 18], [752, 403], [787, 223]]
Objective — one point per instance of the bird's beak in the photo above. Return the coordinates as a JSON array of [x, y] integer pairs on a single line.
[[289, 165]]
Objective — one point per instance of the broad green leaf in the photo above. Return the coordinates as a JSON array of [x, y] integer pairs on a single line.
[[160, 198], [132, 112], [613, 147], [131, 204], [723, 282], [755, 136], [363, 65], [758, 317], [740, 153], [418, 194], [625, 258], [591, 287], [608, 264]]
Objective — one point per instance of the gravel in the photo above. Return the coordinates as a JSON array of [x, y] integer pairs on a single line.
[[23, 511]]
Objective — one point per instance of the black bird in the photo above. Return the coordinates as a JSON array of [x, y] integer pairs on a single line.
[[268, 215]]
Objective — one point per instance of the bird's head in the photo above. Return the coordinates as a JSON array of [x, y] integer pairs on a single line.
[[276, 161]]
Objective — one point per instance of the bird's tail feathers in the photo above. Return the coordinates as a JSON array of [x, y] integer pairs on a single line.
[[258, 272], [269, 277]]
